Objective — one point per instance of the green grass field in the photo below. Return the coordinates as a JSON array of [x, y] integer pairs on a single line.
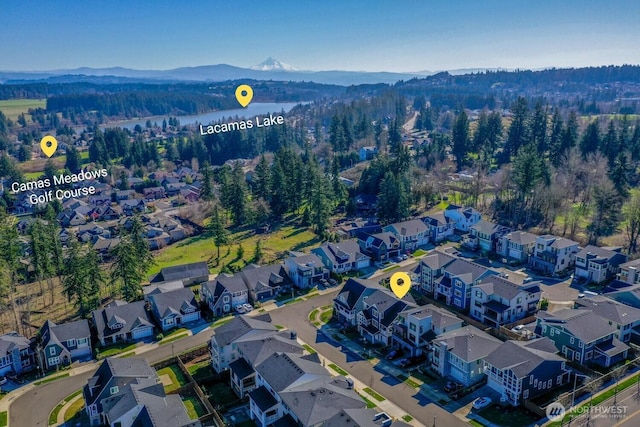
[[12, 108], [202, 248]]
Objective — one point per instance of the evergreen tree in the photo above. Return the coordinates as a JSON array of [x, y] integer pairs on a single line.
[[538, 128], [570, 133], [555, 139], [460, 139], [590, 142], [206, 192], [262, 179], [393, 200], [518, 134], [257, 252], [217, 229]]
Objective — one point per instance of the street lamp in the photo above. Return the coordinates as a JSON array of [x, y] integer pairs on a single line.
[[575, 381]]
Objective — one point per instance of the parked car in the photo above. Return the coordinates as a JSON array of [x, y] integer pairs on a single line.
[[404, 257], [452, 386], [333, 282], [240, 309], [481, 402], [405, 363], [323, 282], [518, 328], [394, 354], [3, 380], [247, 307]]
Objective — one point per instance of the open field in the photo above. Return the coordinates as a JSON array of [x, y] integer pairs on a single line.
[[12, 108], [202, 248]]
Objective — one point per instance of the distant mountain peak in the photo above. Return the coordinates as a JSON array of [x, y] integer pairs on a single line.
[[271, 64]]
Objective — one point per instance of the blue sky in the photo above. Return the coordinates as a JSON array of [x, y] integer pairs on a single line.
[[318, 35]]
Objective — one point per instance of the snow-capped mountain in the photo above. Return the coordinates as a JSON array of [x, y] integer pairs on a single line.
[[273, 65]]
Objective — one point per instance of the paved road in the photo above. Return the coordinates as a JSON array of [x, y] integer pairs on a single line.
[[33, 407], [602, 416]]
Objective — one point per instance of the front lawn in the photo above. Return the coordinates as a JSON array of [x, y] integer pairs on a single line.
[[112, 350], [338, 369], [375, 395]]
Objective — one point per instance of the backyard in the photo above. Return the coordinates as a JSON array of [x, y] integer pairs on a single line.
[[172, 378]]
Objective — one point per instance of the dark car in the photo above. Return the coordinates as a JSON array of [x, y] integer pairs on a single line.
[[404, 363], [394, 354], [452, 386], [333, 282]]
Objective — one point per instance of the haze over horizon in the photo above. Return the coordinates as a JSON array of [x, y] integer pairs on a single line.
[[406, 37]]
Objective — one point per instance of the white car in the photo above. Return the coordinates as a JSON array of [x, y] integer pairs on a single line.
[[247, 307], [240, 309], [481, 402]]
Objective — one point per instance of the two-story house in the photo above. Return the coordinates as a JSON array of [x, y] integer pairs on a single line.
[[305, 271], [342, 257], [520, 371], [484, 236], [189, 274], [264, 281], [440, 226], [16, 354], [411, 234], [516, 247], [582, 336], [462, 218], [497, 301], [625, 318], [598, 264], [379, 247], [223, 341], [350, 300], [553, 255], [128, 392], [432, 268], [455, 285], [379, 312], [253, 350], [297, 388], [224, 294], [630, 272], [65, 343], [416, 327], [120, 322], [173, 308], [460, 354]]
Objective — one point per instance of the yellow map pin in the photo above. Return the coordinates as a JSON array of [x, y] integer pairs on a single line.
[[48, 145], [244, 94], [400, 289]]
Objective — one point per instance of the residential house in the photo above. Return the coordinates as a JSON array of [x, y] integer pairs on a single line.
[[516, 247], [380, 246], [358, 227], [122, 322], [264, 281], [460, 354], [104, 246], [380, 310], [172, 309], [65, 343], [462, 218], [297, 388], [582, 336], [432, 268], [350, 300], [128, 392], [497, 301], [305, 271], [553, 255], [484, 236], [598, 264], [133, 206], [342, 257], [440, 227], [416, 327], [225, 293], [154, 193], [411, 234], [520, 371], [105, 213], [161, 287], [455, 286], [189, 274], [223, 341], [630, 272], [368, 153], [254, 350], [625, 318], [16, 354], [71, 218], [126, 195]]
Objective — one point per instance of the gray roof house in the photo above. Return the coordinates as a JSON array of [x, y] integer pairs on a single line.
[[516, 247], [484, 235], [225, 293], [497, 301], [416, 327], [599, 264], [264, 281], [65, 343], [16, 354], [173, 308], [460, 354], [349, 300], [121, 321], [305, 270], [342, 257], [523, 370], [411, 233], [380, 309], [129, 391], [189, 274], [624, 317]]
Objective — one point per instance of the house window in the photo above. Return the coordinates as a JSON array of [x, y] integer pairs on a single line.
[[114, 390], [412, 326], [580, 344], [52, 351], [552, 330], [559, 380], [226, 307], [530, 379], [544, 328], [525, 394], [549, 383], [519, 300], [71, 342], [54, 361], [225, 298], [571, 340], [478, 294]]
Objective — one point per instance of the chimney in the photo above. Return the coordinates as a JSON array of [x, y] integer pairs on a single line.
[[293, 335]]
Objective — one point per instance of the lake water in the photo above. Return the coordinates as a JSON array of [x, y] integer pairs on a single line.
[[255, 109]]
